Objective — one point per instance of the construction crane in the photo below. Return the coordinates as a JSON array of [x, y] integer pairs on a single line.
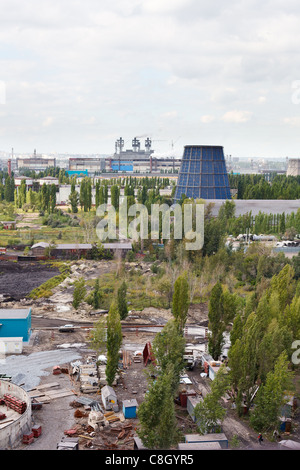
[[173, 143]]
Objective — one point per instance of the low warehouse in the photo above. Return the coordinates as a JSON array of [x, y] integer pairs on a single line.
[[220, 438]]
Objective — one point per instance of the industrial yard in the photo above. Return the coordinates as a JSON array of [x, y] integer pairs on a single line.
[[61, 415], [64, 407]]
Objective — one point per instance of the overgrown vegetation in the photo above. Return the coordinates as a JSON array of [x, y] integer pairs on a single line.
[[45, 289]]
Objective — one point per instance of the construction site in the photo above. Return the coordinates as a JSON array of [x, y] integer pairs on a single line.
[[64, 387], [53, 388]]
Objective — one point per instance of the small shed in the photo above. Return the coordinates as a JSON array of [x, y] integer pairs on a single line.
[[213, 369], [138, 445], [290, 406], [129, 408], [199, 446], [220, 438], [148, 354], [9, 225], [191, 402], [289, 445], [11, 345], [183, 397], [109, 397]]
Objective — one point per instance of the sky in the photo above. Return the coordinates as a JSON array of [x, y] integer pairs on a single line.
[[77, 75]]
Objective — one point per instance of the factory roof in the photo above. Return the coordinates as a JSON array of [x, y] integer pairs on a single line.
[[84, 246], [14, 313], [268, 206]]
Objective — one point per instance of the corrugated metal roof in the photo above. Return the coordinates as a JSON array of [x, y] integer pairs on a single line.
[[106, 391], [40, 245], [84, 246], [13, 313], [129, 403]]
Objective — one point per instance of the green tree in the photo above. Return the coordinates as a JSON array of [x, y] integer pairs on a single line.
[[209, 413], [98, 336], [122, 300], [52, 197], [181, 301], [115, 194], [97, 297], [158, 427], [79, 293], [216, 321], [114, 341], [74, 198], [271, 396], [168, 348]]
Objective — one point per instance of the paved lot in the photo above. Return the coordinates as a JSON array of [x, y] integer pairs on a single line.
[[54, 417], [28, 370]]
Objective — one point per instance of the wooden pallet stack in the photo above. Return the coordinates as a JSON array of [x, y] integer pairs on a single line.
[[15, 403], [46, 393]]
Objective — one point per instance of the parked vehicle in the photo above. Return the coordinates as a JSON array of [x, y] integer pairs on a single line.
[[66, 328]]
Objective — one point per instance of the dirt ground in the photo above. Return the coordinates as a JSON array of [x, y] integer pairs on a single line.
[[59, 415], [18, 279]]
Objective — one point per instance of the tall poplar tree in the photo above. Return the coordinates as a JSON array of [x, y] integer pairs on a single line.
[[122, 300], [114, 341], [180, 303], [216, 323]]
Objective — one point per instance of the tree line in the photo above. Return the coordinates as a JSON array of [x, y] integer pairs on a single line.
[[265, 186]]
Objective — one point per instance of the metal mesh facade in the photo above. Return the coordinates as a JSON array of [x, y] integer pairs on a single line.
[[203, 173]]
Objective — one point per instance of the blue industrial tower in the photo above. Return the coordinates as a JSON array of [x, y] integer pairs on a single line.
[[203, 173]]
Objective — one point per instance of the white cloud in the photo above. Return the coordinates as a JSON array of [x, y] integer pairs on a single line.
[[125, 62], [48, 121], [292, 121], [207, 119], [236, 116]]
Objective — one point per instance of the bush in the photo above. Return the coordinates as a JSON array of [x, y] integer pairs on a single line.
[[79, 293]]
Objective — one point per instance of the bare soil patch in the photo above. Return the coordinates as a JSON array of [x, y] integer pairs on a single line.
[[17, 280]]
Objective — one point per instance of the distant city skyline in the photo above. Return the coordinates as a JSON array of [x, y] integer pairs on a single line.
[[76, 76]]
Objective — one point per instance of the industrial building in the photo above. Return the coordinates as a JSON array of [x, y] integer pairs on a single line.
[[293, 168], [203, 173], [15, 323], [76, 250], [36, 162], [86, 165], [134, 160], [49, 180], [28, 181]]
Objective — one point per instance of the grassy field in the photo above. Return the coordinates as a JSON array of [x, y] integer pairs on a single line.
[[140, 293], [31, 228]]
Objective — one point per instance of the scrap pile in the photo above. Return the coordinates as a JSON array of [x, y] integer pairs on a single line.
[[112, 417], [120, 437], [89, 382], [126, 359], [97, 428]]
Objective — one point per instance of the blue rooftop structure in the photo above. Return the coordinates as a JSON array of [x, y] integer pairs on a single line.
[[203, 173], [77, 172], [129, 408], [15, 323]]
